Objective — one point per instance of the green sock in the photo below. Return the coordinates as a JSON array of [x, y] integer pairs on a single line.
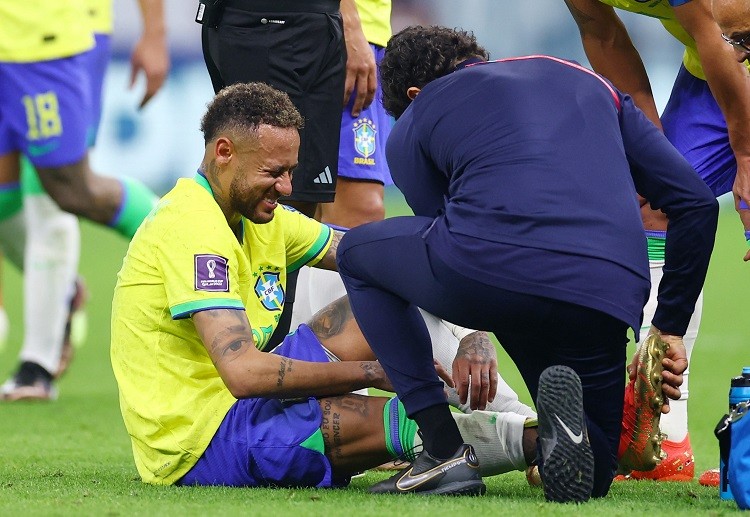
[[400, 430], [137, 202], [11, 200], [30, 184], [656, 243]]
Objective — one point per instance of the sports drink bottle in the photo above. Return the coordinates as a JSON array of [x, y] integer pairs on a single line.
[[739, 391]]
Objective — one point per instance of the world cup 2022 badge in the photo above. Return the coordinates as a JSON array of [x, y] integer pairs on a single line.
[[211, 273], [269, 291], [364, 141]]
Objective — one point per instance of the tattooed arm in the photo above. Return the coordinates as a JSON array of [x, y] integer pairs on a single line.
[[329, 259], [248, 372], [475, 367], [612, 54]]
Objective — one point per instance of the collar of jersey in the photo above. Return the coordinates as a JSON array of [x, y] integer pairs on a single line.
[[201, 180]]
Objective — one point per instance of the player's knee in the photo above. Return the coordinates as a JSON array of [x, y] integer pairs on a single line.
[[68, 200]]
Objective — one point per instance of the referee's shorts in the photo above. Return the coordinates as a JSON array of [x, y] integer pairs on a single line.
[[298, 47]]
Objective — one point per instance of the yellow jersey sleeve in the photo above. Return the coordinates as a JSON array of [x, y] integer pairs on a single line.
[[307, 240]]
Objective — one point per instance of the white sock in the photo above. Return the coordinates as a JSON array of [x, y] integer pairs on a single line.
[[324, 287], [444, 348], [497, 439], [675, 423], [50, 268]]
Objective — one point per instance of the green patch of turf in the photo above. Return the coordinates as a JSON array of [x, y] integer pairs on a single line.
[[73, 457]]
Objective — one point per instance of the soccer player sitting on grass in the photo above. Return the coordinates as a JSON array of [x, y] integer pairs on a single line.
[[200, 292]]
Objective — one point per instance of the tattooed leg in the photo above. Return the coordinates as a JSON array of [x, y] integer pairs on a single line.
[[353, 432]]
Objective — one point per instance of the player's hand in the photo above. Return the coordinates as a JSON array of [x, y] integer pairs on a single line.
[[475, 370], [675, 363], [150, 56], [361, 72]]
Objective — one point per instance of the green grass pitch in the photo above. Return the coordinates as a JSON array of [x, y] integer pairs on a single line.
[[72, 457]]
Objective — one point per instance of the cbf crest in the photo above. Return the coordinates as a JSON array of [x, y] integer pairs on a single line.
[[269, 291], [364, 141]]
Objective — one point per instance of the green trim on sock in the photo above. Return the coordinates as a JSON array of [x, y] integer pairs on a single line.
[[30, 184], [138, 201], [407, 430], [11, 200], [656, 248], [387, 428]]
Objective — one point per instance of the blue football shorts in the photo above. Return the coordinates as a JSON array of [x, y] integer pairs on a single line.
[[45, 110], [362, 141], [270, 442], [694, 124]]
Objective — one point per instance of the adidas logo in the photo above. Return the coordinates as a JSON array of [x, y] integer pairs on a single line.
[[324, 177]]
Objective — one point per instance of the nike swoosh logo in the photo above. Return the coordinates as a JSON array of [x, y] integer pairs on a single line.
[[577, 438], [39, 150], [409, 482]]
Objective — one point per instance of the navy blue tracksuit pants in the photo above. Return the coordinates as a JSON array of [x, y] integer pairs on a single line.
[[389, 271]]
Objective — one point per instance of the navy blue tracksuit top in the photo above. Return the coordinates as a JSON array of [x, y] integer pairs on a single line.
[[531, 166]]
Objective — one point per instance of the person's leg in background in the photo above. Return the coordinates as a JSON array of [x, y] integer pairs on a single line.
[[362, 174], [694, 124], [50, 268]]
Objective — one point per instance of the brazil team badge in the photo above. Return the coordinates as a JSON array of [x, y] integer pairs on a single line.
[[364, 141], [269, 290]]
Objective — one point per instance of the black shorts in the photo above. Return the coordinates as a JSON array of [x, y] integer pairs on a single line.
[[300, 53]]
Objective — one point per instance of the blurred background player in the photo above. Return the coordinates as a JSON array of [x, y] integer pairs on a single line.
[[52, 292], [707, 119]]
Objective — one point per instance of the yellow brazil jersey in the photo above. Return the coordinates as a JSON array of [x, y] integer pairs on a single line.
[[184, 258], [663, 11], [375, 16], [100, 13], [41, 30]]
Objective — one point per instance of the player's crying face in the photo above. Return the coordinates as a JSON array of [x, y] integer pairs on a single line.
[[264, 174]]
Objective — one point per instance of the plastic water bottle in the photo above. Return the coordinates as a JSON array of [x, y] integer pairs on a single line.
[[739, 391]]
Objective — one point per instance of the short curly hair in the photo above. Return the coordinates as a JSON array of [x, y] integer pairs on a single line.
[[245, 106], [418, 55]]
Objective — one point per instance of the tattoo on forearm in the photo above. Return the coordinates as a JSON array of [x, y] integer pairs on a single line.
[[332, 318], [285, 366], [371, 371]]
